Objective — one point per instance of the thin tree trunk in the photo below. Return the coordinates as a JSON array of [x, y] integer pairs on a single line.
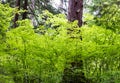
[[75, 11], [16, 15], [25, 8]]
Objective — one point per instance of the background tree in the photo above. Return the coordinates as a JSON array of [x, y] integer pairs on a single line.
[[25, 5], [16, 15], [75, 11], [106, 13], [34, 9]]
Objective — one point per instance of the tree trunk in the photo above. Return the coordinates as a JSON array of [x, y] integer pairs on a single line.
[[75, 11], [16, 15], [25, 8], [33, 16]]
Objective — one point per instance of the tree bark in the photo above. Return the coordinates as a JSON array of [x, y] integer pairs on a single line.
[[16, 15], [75, 11], [25, 8]]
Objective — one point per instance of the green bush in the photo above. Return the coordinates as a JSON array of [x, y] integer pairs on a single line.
[[42, 55]]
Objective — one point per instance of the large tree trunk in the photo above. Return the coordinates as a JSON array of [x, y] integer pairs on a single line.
[[75, 11], [16, 15]]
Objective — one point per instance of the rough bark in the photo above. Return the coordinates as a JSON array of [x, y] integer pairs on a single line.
[[33, 16], [75, 11]]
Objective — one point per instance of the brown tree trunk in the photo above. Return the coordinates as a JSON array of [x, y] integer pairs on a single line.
[[75, 11], [16, 15], [25, 8]]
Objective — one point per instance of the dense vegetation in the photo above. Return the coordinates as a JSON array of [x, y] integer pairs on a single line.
[[45, 54]]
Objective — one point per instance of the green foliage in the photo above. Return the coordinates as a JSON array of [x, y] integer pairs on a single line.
[[101, 51], [110, 17], [29, 55], [110, 77], [5, 17], [43, 54], [106, 13]]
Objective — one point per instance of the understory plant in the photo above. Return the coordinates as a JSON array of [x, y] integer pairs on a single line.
[[46, 54]]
